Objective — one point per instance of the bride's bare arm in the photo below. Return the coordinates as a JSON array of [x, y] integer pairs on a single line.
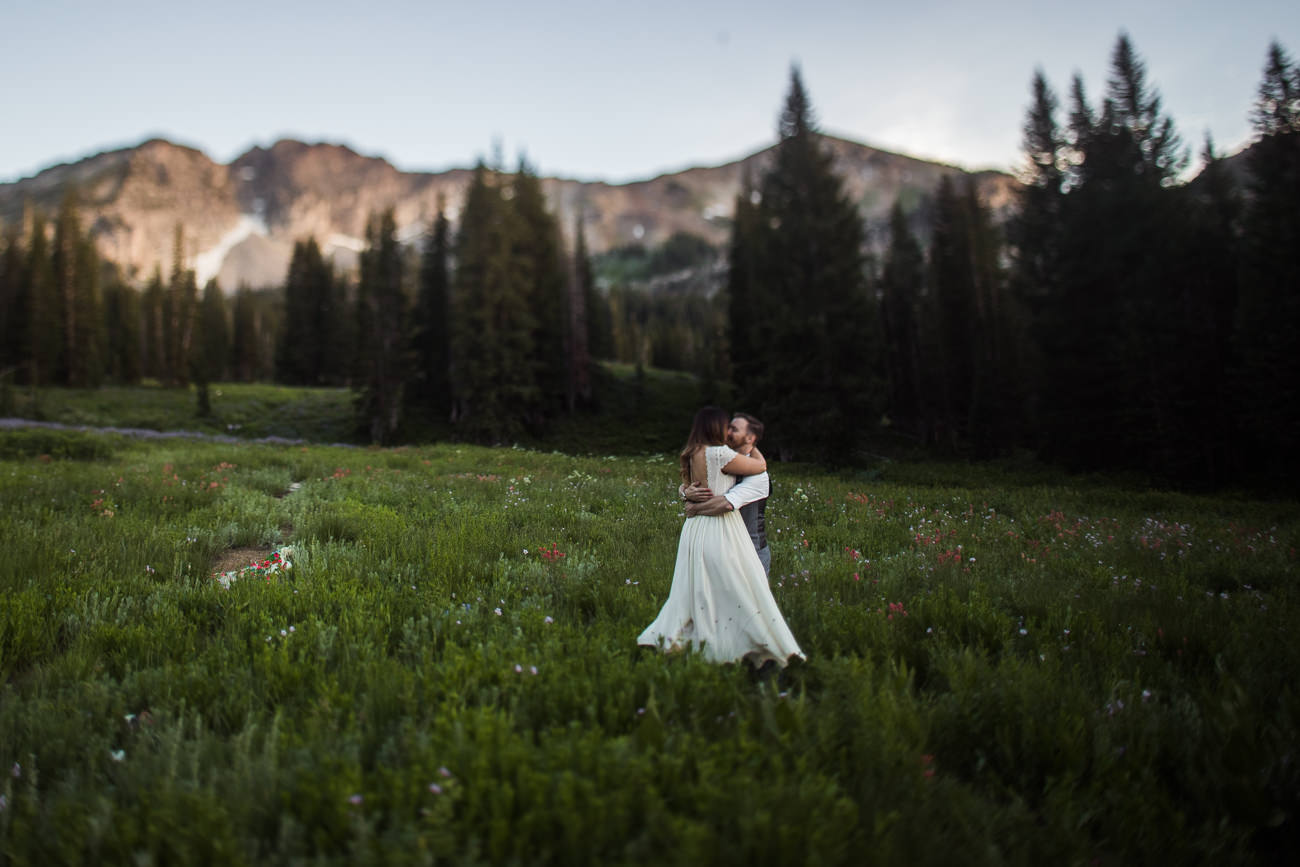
[[746, 465]]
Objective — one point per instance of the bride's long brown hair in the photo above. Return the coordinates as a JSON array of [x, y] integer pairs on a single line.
[[708, 429]]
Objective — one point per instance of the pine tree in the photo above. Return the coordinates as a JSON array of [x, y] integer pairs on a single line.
[[492, 341], [539, 256], [1210, 272], [180, 303], [212, 344], [43, 349], [245, 351], [64, 264], [952, 314], [122, 320], [902, 284], [429, 392], [153, 342], [13, 307], [817, 389], [307, 340], [1269, 317], [581, 289], [382, 344], [1035, 231], [1107, 335]]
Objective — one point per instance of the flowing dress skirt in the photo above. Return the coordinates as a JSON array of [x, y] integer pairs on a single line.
[[720, 603]]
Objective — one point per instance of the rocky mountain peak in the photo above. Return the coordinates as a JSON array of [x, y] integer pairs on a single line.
[[240, 221]]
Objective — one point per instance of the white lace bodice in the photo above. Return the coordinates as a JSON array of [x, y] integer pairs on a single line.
[[715, 458]]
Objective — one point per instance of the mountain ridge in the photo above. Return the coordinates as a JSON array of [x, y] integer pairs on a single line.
[[241, 219]]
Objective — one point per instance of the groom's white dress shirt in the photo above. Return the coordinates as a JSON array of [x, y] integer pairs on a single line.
[[749, 489]]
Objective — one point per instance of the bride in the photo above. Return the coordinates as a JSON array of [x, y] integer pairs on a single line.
[[720, 602]]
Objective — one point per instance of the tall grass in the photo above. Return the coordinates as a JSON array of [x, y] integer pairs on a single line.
[[999, 670]]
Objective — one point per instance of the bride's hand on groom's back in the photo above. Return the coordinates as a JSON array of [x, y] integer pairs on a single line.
[[696, 492]]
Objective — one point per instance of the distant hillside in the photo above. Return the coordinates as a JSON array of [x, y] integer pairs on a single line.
[[241, 220]]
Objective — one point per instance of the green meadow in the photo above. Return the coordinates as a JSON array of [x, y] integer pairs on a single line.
[[1005, 666]]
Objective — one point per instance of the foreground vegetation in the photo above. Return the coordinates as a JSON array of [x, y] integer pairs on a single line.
[[1000, 668]]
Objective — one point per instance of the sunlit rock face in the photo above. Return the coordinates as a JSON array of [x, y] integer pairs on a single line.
[[239, 222]]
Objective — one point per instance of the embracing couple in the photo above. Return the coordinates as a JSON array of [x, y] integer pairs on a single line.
[[720, 602]]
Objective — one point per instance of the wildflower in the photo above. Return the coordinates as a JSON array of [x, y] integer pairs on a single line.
[[1024, 631], [548, 619], [435, 788], [519, 669], [532, 669], [496, 611], [284, 633], [17, 770], [355, 800], [117, 755], [291, 629], [444, 773]]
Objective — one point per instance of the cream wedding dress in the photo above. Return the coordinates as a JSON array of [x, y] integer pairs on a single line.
[[720, 602]]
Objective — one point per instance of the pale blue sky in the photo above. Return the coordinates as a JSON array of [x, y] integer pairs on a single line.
[[612, 91]]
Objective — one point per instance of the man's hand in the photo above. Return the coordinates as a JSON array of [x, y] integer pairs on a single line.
[[711, 507], [696, 493]]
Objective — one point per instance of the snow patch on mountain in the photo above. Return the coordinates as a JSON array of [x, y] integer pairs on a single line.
[[345, 242], [208, 263]]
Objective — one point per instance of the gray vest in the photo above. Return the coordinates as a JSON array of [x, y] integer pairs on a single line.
[[755, 517]]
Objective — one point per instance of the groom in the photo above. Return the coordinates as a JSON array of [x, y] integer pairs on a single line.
[[749, 494]]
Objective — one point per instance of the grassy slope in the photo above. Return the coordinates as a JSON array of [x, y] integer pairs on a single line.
[[635, 415], [1032, 671]]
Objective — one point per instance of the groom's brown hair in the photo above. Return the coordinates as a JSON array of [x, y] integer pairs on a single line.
[[755, 426]]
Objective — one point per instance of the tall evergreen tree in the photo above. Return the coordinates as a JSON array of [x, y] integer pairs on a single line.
[[75, 265], [581, 289], [212, 344], [1269, 317], [492, 341], [308, 340], [13, 306], [153, 331], [180, 303], [902, 286], [817, 387], [43, 349], [539, 257], [1035, 231], [430, 389], [122, 321], [245, 349], [1210, 274], [382, 344], [1107, 337], [952, 314]]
